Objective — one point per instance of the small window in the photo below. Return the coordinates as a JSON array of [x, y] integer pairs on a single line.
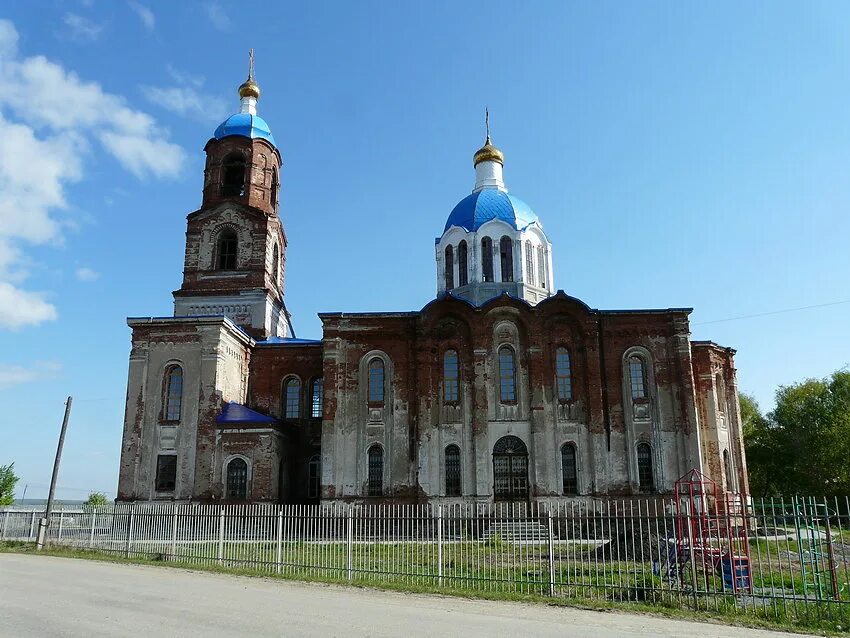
[[166, 472], [569, 469], [453, 484], [173, 403], [563, 374], [233, 175], [645, 474], [276, 265], [487, 259], [376, 470], [274, 192], [227, 250], [507, 375], [451, 377], [529, 263], [376, 381], [462, 268], [541, 265], [317, 398], [313, 477], [506, 251], [292, 399], [450, 268], [637, 377], [237, 480]]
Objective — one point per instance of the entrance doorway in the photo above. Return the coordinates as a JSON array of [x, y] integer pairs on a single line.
[[510, 469]]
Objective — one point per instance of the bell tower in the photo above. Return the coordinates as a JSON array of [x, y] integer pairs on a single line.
[[235, 242]]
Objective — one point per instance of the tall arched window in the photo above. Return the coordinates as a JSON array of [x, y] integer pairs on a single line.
[[541, 265], [227, 249], [276, 265], [273, 199], [563, 374], [507, 375], [453, 481], [173, 400], [233, 175], [376, 470], [637, 377], [292, 398], [237, 480], [450, 268], [720, 388], [646, 477], [462, 266], [451, 377], [314, 476], [506, 251], [569, 468], [529, 263], [376, 381], [487, 259], [317, 398]]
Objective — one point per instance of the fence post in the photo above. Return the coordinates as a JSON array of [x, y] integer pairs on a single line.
[[221, 535], [551, 553], [279, 537], [440, 543], [61, 520], [350, 542], [32, 524], [91, 533], [174, 533], [130, 522]]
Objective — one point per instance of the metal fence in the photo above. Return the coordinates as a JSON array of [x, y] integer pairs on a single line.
[[777, 557]]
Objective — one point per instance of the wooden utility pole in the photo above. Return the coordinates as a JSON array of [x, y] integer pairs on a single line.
[[44, 523]]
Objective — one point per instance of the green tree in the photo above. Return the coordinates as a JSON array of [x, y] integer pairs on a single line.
[[8, 480], [760, 442], [96, 499]]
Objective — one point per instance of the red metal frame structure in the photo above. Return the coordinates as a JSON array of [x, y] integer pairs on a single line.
[[712, 531]]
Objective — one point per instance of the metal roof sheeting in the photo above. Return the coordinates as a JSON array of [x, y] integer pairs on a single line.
[[477, 209], [236, 413], [246, 125]]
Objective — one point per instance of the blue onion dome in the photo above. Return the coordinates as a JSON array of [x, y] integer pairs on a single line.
[[245, 125], [475, 210]]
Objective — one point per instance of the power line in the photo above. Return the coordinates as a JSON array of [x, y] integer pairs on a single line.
[[772, 312]]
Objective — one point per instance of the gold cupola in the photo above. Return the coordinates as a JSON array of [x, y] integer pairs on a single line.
[[249, 88], [488, 152]]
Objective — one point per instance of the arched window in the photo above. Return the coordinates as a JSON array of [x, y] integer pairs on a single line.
[[173, 401], [720, 388], [563, 374], [227, 249], [450, 268], [506, 250], [569, 468], [314, 476], [233, 175], [453, 482], [507, 375], [541, 265], [318, 396], [637, 377], [376, 381], [529, 263], [292, 398], [237, 480], [276, 265], [462, 267], [646, 477], [451, 377], [376, 470], [487, 259], [273, 199]]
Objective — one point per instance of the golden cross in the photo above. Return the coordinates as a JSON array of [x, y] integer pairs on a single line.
[[251, 64], [487, 122]]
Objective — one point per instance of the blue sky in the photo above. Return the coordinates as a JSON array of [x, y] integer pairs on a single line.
[[678, 154]]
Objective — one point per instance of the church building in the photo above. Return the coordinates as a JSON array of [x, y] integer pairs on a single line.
[[501, 388]]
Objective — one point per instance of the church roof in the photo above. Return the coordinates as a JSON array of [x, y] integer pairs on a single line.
[[475, 210], [245, 125], [237, 413]]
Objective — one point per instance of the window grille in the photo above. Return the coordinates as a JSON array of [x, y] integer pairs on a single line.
[[541, 265], [563, 374], [376, 381], [637, 377], [507, 375], [453, 480], [237, 480], [569, 469], [228, 247], [292, 399], [529, 263], [173, 393], [451, 377], [318, 398], [645, 474], [376, 470], [166, 472]]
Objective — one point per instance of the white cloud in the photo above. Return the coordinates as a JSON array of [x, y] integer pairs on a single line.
[[20, 308], [85, 273], [11, 375], [82, 29], [186, 101], [145, 15], [217, 16], [49, 121]]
